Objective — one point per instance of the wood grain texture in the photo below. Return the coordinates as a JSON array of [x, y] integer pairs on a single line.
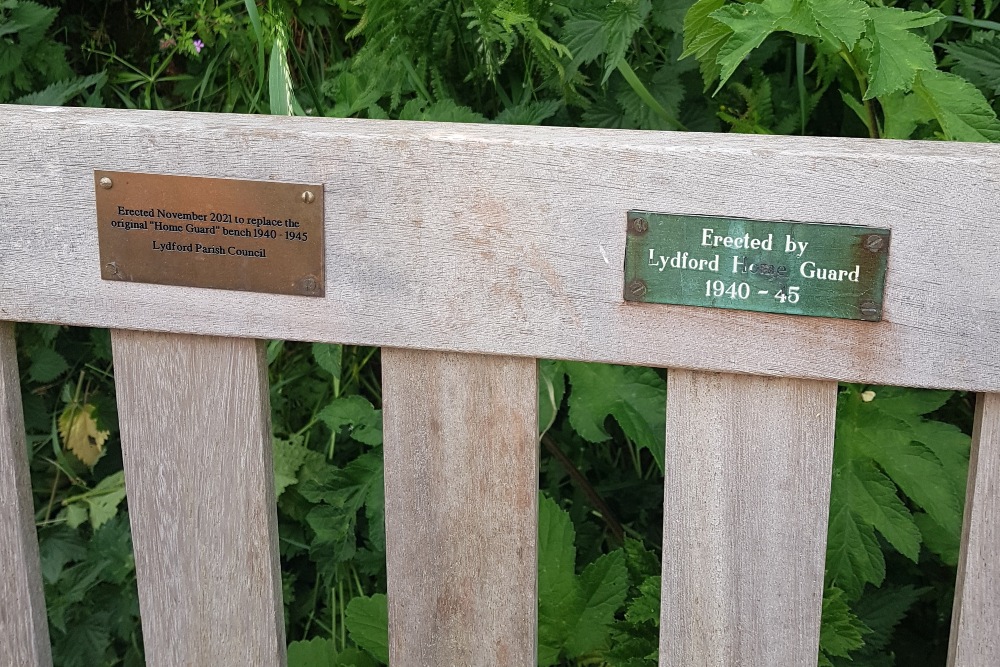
[[196, 444], [461, 508], [510, 240], [746, 498], [976, 613], [24, 630]]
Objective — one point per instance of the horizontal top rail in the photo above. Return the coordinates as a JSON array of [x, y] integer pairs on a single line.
[[510, 240]]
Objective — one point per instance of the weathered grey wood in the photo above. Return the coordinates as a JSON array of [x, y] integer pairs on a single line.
[[748, 464], [196, 444], [461, 493], [24, 629], [510, 240], [975, 618]]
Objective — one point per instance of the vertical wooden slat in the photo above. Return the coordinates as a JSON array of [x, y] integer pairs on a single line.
[[975, 618], [461, 487], [24, 630], [748, 464], [196, 443]]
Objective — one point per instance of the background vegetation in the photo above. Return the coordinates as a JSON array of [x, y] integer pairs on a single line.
[[899, 70]]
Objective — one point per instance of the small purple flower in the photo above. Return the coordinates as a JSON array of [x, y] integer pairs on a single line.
[[198, 45]]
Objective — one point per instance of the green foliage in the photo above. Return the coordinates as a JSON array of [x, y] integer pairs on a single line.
[[901, 70]]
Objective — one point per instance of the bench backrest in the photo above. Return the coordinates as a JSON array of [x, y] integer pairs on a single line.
[[467, 252]]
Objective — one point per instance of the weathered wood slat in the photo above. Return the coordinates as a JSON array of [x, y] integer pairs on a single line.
[[748, 464], [196, 444], [24, 629], [510, 240], [461, 487], [975, 618]]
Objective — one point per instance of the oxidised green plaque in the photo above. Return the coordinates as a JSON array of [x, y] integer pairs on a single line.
[[796, 268]]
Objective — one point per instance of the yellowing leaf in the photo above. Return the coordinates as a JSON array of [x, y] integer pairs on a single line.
[[79, 433]]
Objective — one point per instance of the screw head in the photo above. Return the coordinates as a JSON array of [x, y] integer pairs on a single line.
[[308, 197], [106, 183], [869, 309], [640, 226], [874, 243], [309, 285], [637, 288]]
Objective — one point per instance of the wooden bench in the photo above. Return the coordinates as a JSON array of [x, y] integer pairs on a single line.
[[467, 252]]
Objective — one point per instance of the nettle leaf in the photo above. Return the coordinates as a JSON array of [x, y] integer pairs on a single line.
[[978, 60], [80, 434], [959, 107], [621, 21], [841, 20], [896, 54], [103, 500], [903, 113], [367, 621], [529, 113], [46, 364], [635, 397], [840, 631], [575, 612], [607, 33]]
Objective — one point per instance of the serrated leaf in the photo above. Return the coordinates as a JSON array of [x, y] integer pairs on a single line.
[[903, 113], [46, 364], [882, 609], [703, 32], [558, 593], [315, 652], [945, 544], [751, 24], [978, 60], [853, 557], [873, 497], [367, 620], [840, 630], [289, 455], [635, 397], [529, 113], [328, 357], [62, 92], [645, 608], [897, 54], [585, 37], [669, 14], [603, 585], [621, 21], [79, 433], [103, 500], [843, 20], [356, 413], [959, 107]]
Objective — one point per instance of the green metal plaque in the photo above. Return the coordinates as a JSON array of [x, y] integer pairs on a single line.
[[794, 268]]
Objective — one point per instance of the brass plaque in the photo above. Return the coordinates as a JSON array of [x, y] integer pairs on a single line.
[[254, 236]]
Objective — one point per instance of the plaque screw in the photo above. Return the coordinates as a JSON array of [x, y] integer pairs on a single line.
[[106, 183], [869, 309], [874, 243], [309, 284], [637, 288], [308, 197], [640, 226]]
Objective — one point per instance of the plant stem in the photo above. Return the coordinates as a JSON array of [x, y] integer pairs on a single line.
[[595, 498], [863, 86]]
